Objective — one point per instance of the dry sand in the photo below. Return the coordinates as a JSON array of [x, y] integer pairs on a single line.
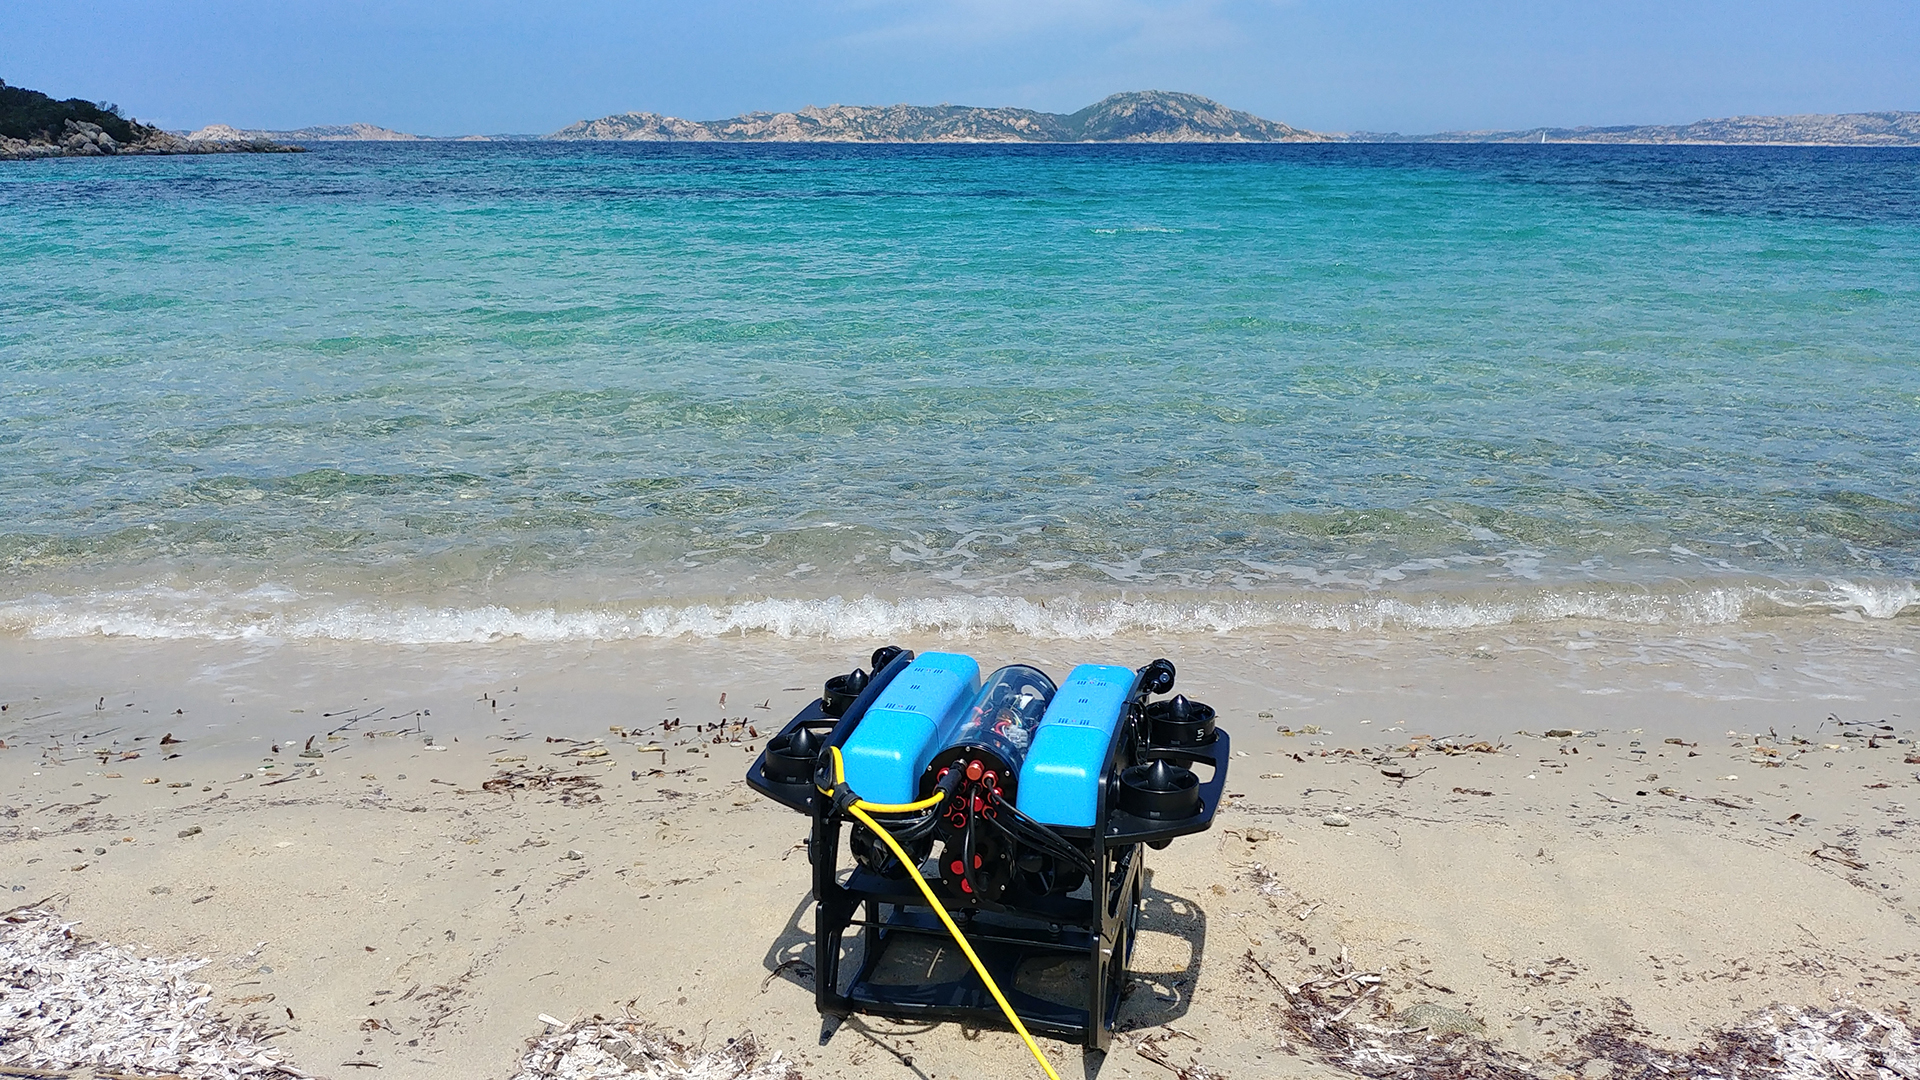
[[490, 833]]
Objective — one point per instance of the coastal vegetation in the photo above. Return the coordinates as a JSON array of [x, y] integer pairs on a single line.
[[37, 125], [29, 114]]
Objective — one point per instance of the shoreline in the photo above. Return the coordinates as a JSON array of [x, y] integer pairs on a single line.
[[730, 598], [1530, 887], [87, 140], [1785, 675]]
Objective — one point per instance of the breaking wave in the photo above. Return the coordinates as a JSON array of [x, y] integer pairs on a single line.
[[277, 614]]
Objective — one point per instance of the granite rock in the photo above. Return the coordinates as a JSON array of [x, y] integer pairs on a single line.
[[1143, 116]]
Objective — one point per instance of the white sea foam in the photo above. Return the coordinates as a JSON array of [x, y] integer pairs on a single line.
[[1879, 600], [270, 613]]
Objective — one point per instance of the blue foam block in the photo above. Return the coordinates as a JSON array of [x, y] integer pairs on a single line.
[[1060, 781], [901, 730]]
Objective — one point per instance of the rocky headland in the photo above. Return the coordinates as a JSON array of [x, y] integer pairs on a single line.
[[35, 125], [1141, 116]]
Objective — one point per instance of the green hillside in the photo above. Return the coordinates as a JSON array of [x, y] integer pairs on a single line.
[[30, 114]]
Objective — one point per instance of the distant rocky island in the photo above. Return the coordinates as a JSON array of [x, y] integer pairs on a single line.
[[1162, 116], [338, 133], [317, 133], [35, 125], [1156, 116], [1814, 129]]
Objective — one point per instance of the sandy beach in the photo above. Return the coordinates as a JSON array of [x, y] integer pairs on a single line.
[[408, 545], [403, 858]]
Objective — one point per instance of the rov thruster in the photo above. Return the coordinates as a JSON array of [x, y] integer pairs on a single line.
[[1008, 814]]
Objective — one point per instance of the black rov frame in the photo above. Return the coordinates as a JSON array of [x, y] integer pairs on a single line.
[[1098, 927]]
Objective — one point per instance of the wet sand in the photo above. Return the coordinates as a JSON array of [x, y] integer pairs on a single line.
[[490, 833]]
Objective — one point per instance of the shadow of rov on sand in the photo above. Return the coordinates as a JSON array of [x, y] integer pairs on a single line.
[[1169, 944]]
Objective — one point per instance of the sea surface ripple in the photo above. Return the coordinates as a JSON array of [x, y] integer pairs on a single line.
[[450, 391]]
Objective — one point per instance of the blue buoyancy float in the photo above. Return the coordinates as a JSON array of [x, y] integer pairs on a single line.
[[1060, 779], [908, 722]]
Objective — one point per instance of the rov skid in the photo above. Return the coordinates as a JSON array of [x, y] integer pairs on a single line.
[[1023, 808]]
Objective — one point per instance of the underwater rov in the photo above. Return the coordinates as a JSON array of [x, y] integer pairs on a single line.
[[1021, 807]]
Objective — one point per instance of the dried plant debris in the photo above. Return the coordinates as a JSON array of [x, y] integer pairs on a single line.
[[601, 1049], [1790, 1044], [1266, 882], [1555, 972], [1846, 857], [573, 788], [69, 1004], [1152, 1048], [1450, 745], [1339, 1020]]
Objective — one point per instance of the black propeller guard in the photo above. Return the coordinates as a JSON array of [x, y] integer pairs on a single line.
[[1160, 791]]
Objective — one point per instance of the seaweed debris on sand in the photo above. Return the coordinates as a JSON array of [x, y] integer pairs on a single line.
[[1342, 1021], [601, 1049], [68, 1003]]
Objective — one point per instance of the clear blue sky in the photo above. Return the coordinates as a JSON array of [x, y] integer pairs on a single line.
[[1332, 65]]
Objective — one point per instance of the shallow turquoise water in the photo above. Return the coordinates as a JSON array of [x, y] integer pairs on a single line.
[[452, 391]]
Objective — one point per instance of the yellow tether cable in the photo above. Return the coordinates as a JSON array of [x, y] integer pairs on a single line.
[[859, 810], [840, 777]]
